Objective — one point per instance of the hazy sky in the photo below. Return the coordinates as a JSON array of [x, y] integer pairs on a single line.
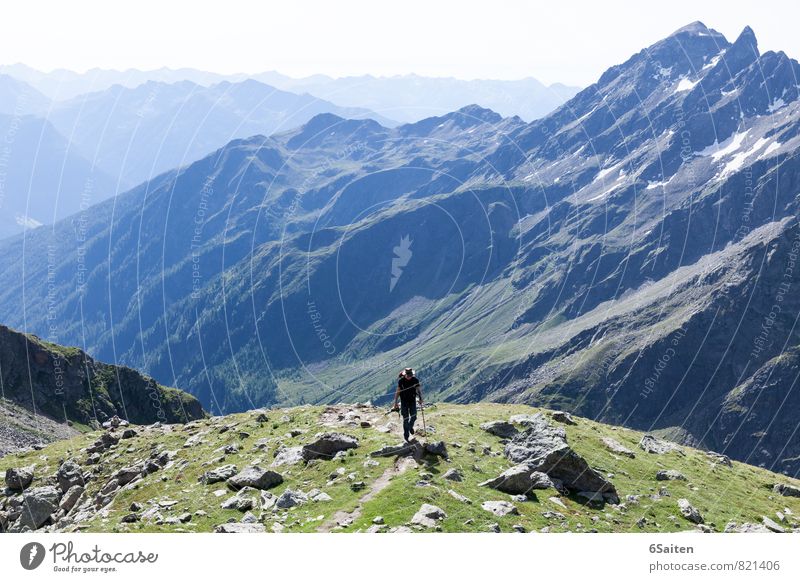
[[566, 41]]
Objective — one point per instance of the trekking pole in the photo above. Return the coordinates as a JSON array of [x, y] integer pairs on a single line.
[[424, 427]]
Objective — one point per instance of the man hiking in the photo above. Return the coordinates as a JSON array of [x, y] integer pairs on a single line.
[[408, 390]]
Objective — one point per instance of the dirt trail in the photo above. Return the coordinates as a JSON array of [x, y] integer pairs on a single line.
[[344, 413]]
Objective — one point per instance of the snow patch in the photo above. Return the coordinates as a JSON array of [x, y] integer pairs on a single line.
[[770, 148], [713, 62], [719, 150], [685, 85], [654, 185], [26, 221], [776, 104]]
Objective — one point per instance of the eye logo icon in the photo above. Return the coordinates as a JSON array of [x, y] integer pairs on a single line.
[[31, 555]]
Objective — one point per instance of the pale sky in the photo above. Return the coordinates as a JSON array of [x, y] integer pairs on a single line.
[[564, 41]]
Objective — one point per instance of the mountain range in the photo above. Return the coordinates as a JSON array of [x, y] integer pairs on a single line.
[[405, 98], [629, 257]]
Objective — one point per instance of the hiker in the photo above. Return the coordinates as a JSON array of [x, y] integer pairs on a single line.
[[408, 390]]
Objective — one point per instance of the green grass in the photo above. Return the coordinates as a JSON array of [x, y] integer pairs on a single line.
[[722, 494]]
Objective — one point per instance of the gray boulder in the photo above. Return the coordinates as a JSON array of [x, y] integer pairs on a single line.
[[38, 505], [656, 446], [500, 428], [518, 480], [291, 498], [70, 498], [288, 456], [328, 444], [719, 459], [69, 475], [19, 478], [128, 474], [218, 475], [244, 500], [453, 475], [689, 511], [771, 525], [617, 447], [786, 490], [670, 475], [436, 448], [543, 447], [563, 417], [255, 477], [500, 508], [428, 516]]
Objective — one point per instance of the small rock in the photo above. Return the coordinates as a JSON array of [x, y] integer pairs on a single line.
[[670, 475], [453, 475], [218, 475], [617, 447], [458, 497], [689, 511], [291, 498], [656, 446]]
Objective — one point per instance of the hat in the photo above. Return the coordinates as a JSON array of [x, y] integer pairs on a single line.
[[408, 371]]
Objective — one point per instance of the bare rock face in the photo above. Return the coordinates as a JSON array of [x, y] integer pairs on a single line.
[[543, 448], [328, 444]]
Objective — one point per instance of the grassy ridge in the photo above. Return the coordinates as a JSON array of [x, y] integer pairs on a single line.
[[741, 493]]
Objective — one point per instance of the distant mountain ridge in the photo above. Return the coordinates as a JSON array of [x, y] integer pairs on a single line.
[[405, 98]]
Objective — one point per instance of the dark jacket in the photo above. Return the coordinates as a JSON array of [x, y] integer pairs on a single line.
[[407, 388]]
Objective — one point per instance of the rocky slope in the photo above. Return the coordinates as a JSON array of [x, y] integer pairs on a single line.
[[481, 467], [621, 258], [49, 392]]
